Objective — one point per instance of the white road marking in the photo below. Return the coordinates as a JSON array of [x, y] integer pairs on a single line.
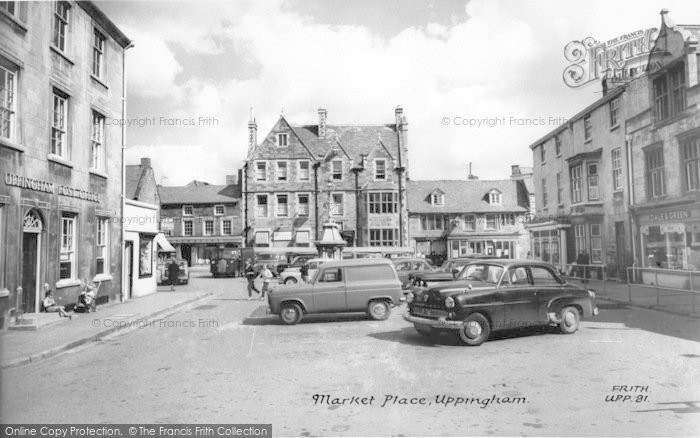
[[252, 341]]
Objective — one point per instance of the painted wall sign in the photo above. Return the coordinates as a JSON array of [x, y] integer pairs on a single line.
[[619, 57], [669, 216], [49, 187]]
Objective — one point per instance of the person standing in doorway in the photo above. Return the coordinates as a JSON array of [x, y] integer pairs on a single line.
[[250, 275]]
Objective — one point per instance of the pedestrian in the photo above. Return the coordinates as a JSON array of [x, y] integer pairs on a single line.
[[267, 276], [173, 272], [304, 270], [250, 275], [50, 305]]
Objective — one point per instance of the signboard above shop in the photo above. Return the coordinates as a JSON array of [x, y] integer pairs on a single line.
[[48, 187]]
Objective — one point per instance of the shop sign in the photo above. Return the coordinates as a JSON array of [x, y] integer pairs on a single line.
[[672, 228], [49, 187], [674, 215], [282, 235]]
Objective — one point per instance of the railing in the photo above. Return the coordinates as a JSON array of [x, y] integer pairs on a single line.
[[587, 273], [667, 282]]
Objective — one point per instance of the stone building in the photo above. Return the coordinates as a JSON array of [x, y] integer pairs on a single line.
[[300, 176], [457, 218], [61, 89], [619, 181], [199, 218]]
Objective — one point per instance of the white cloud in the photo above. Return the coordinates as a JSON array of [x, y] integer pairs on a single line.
[[151, 65]]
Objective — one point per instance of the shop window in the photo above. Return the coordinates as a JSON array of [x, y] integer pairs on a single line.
[[8, 104], [665, 247], [145, 256], [102, 246], [580, 239], [690, 156], [67, 256], [655, 174], [593, 190]]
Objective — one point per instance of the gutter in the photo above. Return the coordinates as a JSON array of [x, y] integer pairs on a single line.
[[123, 165]]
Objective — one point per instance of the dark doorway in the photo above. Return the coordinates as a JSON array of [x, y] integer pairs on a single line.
[[30, 265], [621, 250], [186, 251], [129, 264]]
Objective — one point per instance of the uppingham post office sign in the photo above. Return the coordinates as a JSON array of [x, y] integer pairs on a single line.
[[619, 57], [49, 187]]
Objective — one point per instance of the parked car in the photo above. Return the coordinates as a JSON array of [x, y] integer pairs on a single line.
[[183, 277], [449, 271], [406, 267], [357, 285], [494, 295], [296, 262], [292, 275]]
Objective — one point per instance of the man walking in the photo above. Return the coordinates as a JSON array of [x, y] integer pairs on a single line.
[[250, 275], [173, 273]]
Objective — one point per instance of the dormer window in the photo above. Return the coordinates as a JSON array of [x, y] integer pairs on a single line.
[[437, 198], [495, 197]]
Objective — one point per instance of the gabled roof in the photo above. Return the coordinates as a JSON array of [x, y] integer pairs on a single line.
[[132, 177], [354, 140], [140, 183], [462, 196], [199, 192]]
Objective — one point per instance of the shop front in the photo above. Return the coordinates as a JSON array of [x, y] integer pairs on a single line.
[[199, 250], [502, 246], [670, 241], [548, 242]]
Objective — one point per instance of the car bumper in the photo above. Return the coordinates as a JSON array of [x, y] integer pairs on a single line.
[[440, 323]]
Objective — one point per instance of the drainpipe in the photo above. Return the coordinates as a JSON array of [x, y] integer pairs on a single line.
[[123, 169], [245, 205], [317, 164], [630, 197]]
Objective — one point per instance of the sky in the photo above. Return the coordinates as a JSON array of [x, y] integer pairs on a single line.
[[197, 67]]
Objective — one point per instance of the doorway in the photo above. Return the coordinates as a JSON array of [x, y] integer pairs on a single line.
[[186, 252], [31, 257], [129, 266]]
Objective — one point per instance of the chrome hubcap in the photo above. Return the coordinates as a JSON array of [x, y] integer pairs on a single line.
[[289, 314], [569, 319], [473, 329], [378, 310]]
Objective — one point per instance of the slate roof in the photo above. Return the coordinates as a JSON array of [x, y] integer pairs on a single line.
[[355, 140], [198, 192], [463, 196], [132, 176]]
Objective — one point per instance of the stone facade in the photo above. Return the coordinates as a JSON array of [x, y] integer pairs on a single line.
[[60, 199], [299, 177]]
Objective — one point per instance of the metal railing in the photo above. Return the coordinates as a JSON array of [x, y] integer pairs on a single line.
[[597, 273], [672, 282]]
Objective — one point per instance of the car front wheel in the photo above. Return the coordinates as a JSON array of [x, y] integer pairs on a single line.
[[379, 310], [476, 330], [290, 280], [569, 320], [290, 313]]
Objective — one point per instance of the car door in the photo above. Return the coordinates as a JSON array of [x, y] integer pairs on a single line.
[[548, 286], [329, 291], [519, 298]]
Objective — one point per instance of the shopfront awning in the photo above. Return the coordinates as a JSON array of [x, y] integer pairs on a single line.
[[163, 244], [211, 240]]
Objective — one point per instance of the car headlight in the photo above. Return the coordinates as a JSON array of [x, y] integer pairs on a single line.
[[591, 294], [409, 297], [449, 302]]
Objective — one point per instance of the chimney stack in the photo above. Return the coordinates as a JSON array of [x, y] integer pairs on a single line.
[[145, 162], [231, 180], [322, 115], [515, 170], [252, 132], [470, 175], [398, 116]]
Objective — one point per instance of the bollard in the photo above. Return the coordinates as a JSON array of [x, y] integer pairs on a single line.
[[692, 290], [656, 283], [19, 305]]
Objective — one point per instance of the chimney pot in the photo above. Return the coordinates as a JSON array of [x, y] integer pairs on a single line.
[[322, 115]]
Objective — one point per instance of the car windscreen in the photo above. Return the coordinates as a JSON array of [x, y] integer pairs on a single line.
[[482, 272]]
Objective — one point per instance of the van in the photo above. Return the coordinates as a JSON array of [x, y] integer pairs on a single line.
[[339, 286]]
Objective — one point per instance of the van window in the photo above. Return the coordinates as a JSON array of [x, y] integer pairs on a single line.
[[331, 275], [369, 273]]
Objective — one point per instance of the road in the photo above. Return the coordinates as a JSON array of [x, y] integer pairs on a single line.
[[225, 360]]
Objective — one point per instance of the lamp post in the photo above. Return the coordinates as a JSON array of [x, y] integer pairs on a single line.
[[356, 170]]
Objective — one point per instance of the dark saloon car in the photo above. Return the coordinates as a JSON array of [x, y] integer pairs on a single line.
[[493, 295], [449, 271]]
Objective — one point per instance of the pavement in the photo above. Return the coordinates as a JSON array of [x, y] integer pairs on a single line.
[[23, 347], [682, 303]]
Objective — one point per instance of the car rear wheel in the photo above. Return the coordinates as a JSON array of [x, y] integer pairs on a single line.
[[570, 319], [379, 310], [290, 313], [476, 330], [290, 280]]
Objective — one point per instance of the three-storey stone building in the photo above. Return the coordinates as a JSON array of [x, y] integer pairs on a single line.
[[300, 176]]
